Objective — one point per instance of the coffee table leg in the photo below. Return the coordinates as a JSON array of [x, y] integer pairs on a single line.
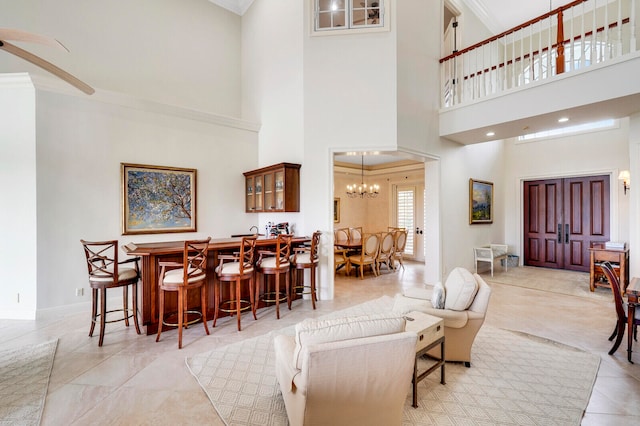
[[442, 381], [415, 383]]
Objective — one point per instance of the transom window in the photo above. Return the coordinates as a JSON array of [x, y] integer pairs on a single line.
[[348, 14]]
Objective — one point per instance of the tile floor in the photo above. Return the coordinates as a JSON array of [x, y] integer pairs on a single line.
[[132, 380]]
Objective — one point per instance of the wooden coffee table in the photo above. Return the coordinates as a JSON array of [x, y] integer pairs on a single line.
[[430, 331]]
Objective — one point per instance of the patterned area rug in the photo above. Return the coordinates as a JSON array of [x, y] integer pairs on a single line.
[[515, 379], [24, 380]]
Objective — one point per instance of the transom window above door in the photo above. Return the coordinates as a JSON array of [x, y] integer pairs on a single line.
[[331, 15]]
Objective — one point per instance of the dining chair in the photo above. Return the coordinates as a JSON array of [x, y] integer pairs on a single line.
[[104, 273], [368, 254], [355, 233], [399, 246], [180, 277], [275, 263], [622, 309], [340, 252], [234, 269], [385, 254], [341, 236], [306, 258]]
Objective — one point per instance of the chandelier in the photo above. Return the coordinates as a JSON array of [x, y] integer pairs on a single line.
[[363, 190]]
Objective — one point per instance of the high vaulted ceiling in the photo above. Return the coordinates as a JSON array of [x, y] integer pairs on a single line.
[[497, 15]]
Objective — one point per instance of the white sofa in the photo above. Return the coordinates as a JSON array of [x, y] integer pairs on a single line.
[[346, 371], [466, 298]]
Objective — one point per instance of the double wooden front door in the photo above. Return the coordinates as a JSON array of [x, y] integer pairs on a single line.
[[562, 217]]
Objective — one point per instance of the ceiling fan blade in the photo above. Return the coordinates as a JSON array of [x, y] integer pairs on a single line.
[[48, 66], [19, 35]]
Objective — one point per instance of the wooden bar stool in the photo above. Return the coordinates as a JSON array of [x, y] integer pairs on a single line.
[[240, 268], [306, 258], [180, 278], [275, 263], [105, 272]]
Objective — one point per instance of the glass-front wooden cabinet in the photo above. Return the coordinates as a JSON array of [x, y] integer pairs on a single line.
[[273, 189]]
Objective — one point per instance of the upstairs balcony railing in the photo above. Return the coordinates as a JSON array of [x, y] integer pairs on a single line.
[[572, 37]]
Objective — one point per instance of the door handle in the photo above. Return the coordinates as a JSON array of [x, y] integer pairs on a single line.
[[559, 233], [566, 233]]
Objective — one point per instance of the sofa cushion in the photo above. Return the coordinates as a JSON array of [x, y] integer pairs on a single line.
[[460, 290], [418, 292], [403, 305], [438, 296], [315, 331]]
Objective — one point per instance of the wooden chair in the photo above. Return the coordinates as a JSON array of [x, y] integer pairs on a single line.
[[368, 255], [233, 269], [340, 253], [399, 246], [180, 277], [621, 312], [385, 254], [355, 233], [275, 263], [306, 258], [105, 272]]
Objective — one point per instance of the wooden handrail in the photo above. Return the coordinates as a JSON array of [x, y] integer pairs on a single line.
[[544, 49], [514, 29]]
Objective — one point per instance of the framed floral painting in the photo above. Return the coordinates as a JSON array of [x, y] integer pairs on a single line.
[[157, 199]]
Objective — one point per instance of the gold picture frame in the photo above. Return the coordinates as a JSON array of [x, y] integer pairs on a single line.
[[336, 210], [157, 199], [480, 201]]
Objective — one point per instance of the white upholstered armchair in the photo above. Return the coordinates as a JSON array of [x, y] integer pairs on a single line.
[[346, 371], [461, 302]]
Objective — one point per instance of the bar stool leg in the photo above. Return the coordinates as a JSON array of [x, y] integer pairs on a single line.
[[180, 316], [161, 314], [94, 310], [277, 295], [252, 300], [103, 313], [203, 307], [125, 304], [312, 270], [134, 299]]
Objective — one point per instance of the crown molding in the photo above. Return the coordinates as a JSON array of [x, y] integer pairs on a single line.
[[15, 80], [238, 7], [54, 85], [480, 10]]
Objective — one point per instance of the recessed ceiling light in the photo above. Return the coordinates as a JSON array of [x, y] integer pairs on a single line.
[[563, 120], [491, 134]]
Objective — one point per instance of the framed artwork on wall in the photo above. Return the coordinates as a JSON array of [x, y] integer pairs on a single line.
[[336, 210], [480, 201], [157, 199]]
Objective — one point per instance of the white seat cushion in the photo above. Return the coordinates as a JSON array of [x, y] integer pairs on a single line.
[[232, 268], [270, 262], [175, 276], [460, 290], [304, 258], [314, 331], [123, 274]]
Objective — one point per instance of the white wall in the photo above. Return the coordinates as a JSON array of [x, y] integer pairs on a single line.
[[79, 147], [178, 52], [272, 92], [18, 252]]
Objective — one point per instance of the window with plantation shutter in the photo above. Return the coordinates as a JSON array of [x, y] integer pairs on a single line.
[[406, 216]]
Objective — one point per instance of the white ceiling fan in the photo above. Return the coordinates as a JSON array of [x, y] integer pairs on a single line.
[[19, 35]]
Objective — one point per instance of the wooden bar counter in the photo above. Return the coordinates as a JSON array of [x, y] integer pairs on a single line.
[[152, 253]]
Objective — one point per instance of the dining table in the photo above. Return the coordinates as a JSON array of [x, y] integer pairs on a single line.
[[633, 290]]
